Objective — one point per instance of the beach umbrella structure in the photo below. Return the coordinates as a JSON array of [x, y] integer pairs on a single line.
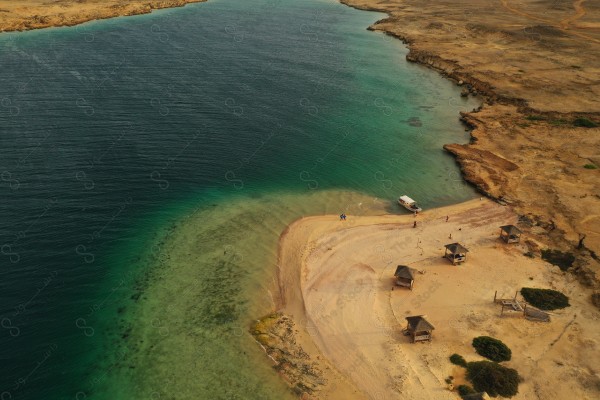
[[510, 234], [418, 328], [405, 276], [456, 253]]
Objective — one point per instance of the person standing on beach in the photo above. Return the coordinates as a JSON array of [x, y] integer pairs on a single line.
[[415, 224], [447, 217]]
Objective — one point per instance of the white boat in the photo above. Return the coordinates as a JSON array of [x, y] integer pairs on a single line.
[[409, 204]]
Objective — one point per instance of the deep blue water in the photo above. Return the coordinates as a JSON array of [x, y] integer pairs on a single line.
[[113, 129]]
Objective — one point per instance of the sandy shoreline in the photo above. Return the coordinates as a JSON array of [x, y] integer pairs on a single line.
[[37, 14], [336, 278]]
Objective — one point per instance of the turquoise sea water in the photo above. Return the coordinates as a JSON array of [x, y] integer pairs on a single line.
[[149, 163]]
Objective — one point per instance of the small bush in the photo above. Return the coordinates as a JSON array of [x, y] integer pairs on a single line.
[[492, 348], [495, 379], [545, 299], [464, 390], [457, 359], [449, 380], [590, 166], [558, 258], [584, 123]]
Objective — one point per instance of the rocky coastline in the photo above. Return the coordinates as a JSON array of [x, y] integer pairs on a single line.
[[536, 155]]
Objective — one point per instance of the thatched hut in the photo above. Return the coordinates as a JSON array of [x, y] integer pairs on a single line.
[[419, 328], [510, 234], [456, 253], [405, 276]]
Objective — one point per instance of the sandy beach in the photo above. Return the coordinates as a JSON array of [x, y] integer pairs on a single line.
[[336, 280]]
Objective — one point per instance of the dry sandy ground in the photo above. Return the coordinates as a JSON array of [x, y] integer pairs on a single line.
[[546, 52], [336, 280], [18, 15]]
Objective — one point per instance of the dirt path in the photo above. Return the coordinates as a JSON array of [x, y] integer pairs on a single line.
[[579, 13], [562, 25]]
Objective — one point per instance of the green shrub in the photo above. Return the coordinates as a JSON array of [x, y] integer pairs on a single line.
[[545, 299], [464, 390], [558, 258], [584, 123], [495, 379], [457, 359], [590, 166], [492, 348]]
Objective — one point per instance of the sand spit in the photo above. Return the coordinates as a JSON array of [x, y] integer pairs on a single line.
[[336, 283], [35, 14]]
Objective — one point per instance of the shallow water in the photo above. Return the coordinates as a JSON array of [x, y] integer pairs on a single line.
[[148, 165]]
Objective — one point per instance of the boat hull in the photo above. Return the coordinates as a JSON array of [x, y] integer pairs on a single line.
[[409, 207]]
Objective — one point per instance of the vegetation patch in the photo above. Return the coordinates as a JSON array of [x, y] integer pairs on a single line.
[[590, 166], [596, 299], [564, 261], [457, 359], [545, 299], [464, 390], [493, 378], [491, 348], [558, 122], [584, 123], [535, 118]]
